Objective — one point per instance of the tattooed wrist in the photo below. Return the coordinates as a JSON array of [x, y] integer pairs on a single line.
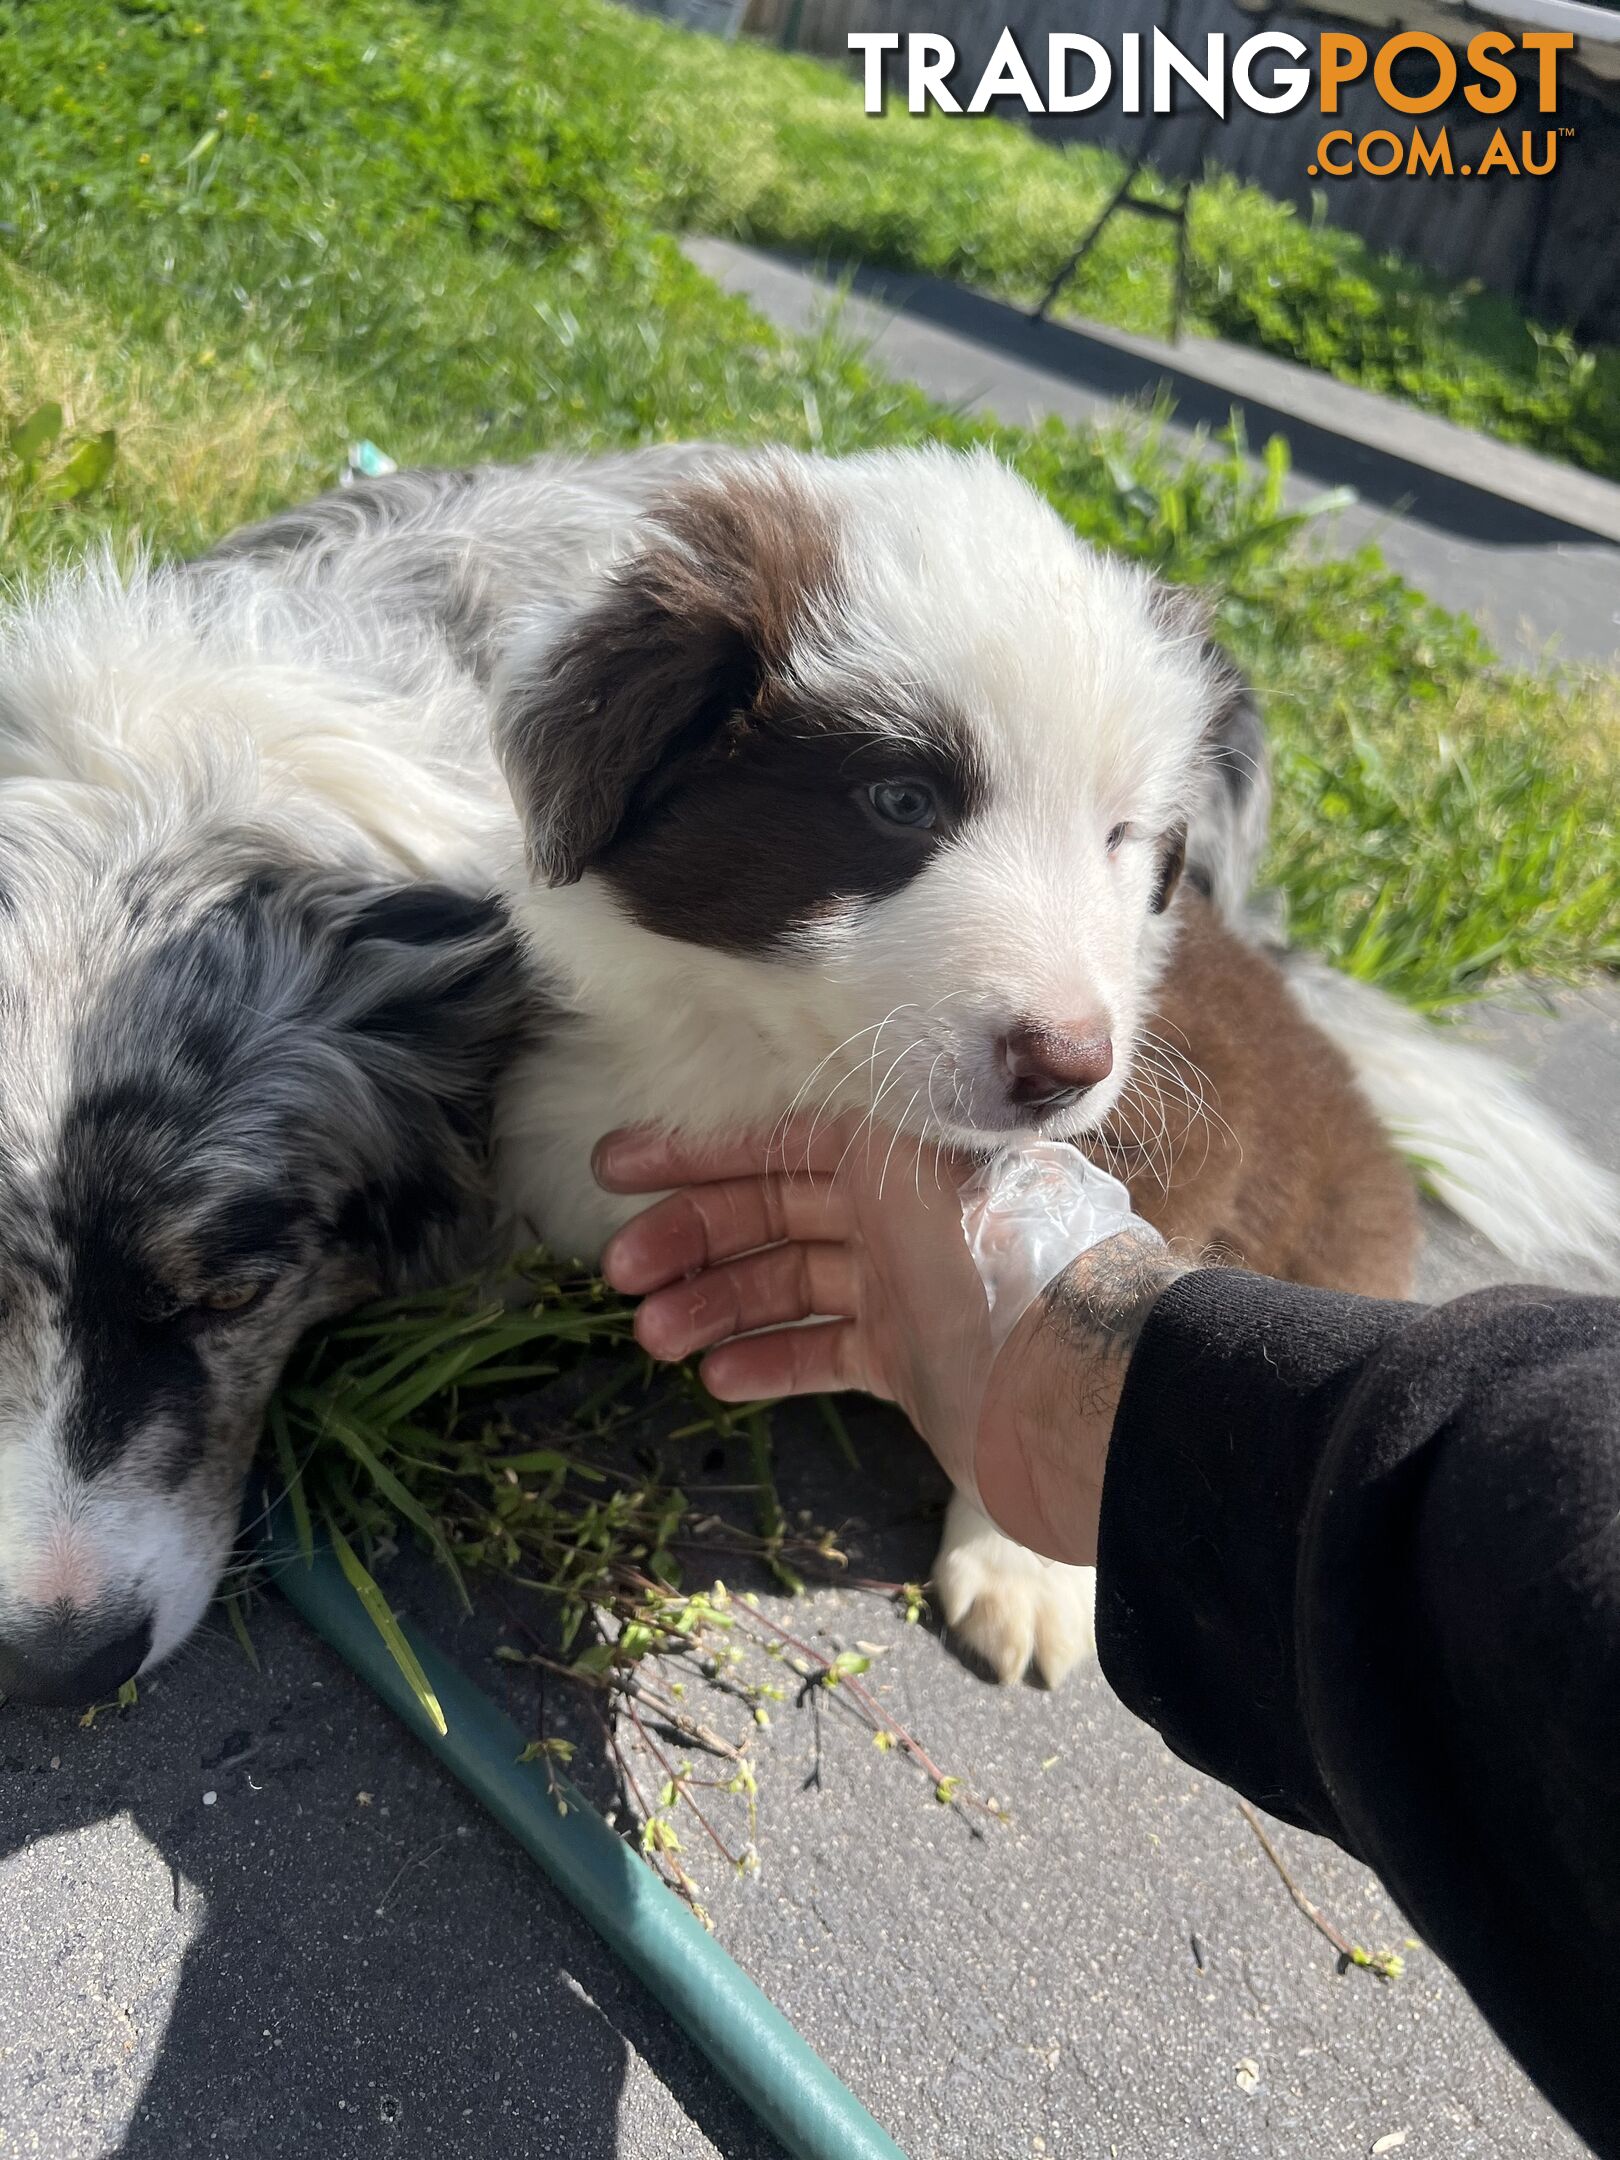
[[1048, 1419], [1099, 1305]]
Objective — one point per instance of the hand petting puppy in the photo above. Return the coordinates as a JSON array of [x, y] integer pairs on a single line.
[[861, 1235]]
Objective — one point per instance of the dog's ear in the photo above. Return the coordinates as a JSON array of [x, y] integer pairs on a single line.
[[1172, 860], [593, 723], [426, 992], [1230, 815]]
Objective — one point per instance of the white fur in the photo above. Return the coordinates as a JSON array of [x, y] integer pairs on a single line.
[[232, 694], [1482, 1142]]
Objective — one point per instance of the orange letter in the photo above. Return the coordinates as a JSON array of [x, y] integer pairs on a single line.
[[1445, 61], [1547, 45], [1479, 59], [1334, 135], [1497, 156], [1364, 148], [1549, 155], [1427, 157], [1343, 59]]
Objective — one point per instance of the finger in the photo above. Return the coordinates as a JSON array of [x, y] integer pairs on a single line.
[[643, 1158], [766, 1289], [798, 1361], [705, 1224]]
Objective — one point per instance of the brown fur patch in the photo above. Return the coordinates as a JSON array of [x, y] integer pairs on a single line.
[[680, 644], [771, 831], [1289, 1173]]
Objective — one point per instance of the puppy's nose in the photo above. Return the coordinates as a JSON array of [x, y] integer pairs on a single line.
[[58, 1666], [1049, 1064]]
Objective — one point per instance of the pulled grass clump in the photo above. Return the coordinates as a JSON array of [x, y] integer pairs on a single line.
[[517, 1433]]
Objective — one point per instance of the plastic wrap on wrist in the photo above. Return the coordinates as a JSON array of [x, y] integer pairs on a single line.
[[1028, 1214]]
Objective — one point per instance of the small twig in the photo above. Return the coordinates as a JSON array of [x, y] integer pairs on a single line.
[[624, 1681], [1382, 1964], [417, 1859], [680, 1786]]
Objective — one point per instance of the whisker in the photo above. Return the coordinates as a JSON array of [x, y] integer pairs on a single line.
[[894, 1140]]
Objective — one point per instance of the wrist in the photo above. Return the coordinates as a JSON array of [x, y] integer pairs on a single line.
[[1099, 1305], [1042, 1444]]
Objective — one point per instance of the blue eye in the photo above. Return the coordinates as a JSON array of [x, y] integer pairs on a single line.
[[1117, 837], [904, 802]]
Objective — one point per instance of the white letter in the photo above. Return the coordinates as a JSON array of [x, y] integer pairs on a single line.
[[1130, 53], [1169, 59], [1007, 75], [1293, 83], [872, 45], [1059, 97], [929, 59]]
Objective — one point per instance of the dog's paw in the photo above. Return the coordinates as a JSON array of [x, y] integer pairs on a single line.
[[1009, 1605]]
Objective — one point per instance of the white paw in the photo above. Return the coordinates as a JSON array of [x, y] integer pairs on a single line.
[[1009, 1605]]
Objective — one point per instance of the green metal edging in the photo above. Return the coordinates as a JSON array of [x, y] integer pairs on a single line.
[[747, 2039]]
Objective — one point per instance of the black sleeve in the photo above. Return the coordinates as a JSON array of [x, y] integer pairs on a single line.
[[1362, 1561]]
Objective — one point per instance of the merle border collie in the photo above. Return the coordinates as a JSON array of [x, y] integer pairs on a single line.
[[832, 782]]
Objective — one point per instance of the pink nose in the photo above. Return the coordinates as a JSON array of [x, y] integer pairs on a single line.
[[1046, 1065]]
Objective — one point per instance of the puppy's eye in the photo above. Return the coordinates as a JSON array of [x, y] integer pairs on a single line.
[[904, 802], [1117, 837], [230, 1299]]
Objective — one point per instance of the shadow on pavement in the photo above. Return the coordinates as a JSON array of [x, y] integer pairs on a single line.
[[358, 1962], [253, 1916], [1441, 500]]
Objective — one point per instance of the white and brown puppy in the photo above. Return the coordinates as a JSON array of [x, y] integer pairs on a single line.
[[858, 783], [863, 784]]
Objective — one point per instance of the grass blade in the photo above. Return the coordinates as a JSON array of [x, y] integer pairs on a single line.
[[292, 1478], [380, 1614], [398, 1495]]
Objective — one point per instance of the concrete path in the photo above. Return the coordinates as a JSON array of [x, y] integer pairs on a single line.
[[1527, 546], [251, 1919]]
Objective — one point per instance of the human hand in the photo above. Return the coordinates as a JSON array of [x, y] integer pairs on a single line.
[[864, 1241]]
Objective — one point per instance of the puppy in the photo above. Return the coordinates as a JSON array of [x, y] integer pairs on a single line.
[[864, 784], [254, 1003]]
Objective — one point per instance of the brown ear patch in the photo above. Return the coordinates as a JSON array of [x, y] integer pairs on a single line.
[[679, 645]]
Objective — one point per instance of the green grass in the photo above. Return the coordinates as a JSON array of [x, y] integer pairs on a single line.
[[237, 234]]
